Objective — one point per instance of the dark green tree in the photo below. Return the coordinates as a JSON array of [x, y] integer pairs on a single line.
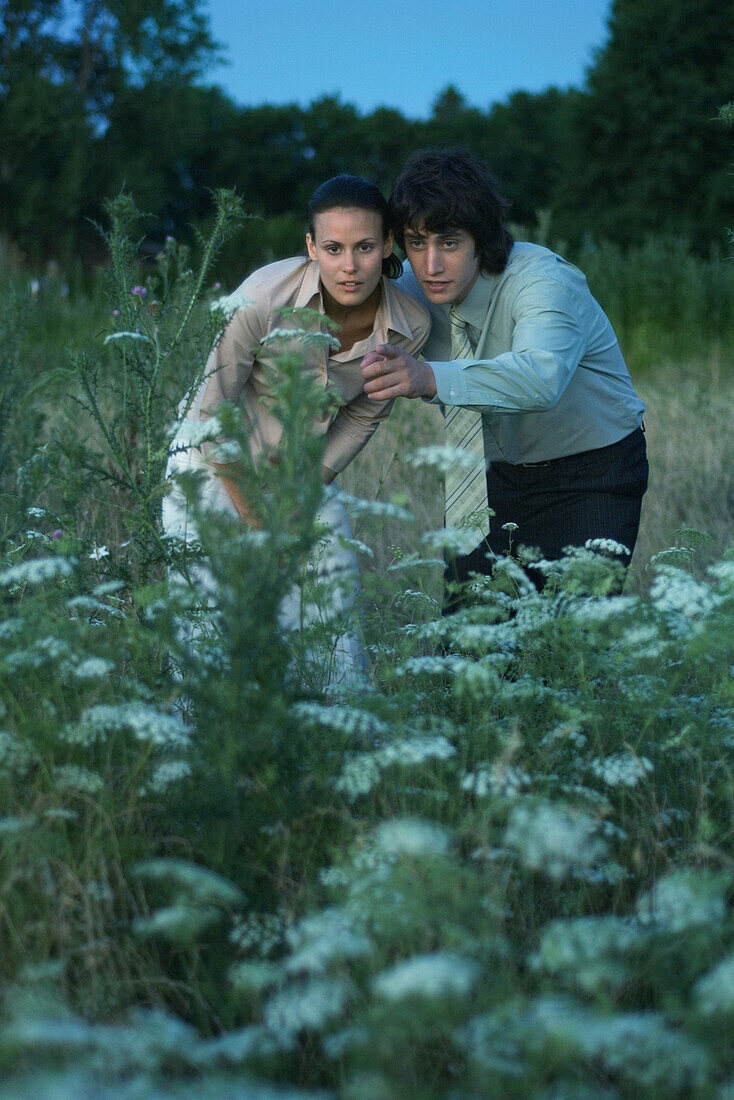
[[63, 66], [650, 155]]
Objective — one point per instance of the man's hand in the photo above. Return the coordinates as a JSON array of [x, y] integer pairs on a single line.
[[389, 372]]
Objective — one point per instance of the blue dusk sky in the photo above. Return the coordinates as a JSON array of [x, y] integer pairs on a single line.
[[402, 53]]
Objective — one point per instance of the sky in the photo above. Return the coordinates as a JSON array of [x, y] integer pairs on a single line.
[[402, 53]]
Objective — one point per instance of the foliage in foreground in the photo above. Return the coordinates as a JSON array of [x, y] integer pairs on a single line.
[[502, 869]]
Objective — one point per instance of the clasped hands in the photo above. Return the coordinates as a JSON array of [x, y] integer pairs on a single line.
[[389, 372]]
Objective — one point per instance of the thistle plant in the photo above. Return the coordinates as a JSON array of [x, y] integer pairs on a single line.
[[121, 394]]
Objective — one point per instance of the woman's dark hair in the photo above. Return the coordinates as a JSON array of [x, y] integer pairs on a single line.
[[444, 189], [353, 191]]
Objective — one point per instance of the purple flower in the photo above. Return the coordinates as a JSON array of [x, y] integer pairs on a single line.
[[140, 291], [57, 533], [115, 313]]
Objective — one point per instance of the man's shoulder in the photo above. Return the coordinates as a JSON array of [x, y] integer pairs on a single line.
[[525, 256]]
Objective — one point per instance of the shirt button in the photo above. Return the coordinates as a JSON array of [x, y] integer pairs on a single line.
[[452, 393]]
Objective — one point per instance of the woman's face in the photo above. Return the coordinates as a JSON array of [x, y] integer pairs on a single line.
[[349, 246]]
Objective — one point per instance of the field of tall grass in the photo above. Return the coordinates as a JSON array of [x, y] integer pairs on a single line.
[[501, 867]]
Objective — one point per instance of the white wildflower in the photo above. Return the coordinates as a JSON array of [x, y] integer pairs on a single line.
[[146, 722], [406, 836], [255, 976], [99, 552], [35, 571], [333, 876], [442, 457], [555, 840], [16, 757], [115, 337], [416, 750], [10, 825], [430, 666], [165, 774], [257, 933], [228, 304], [92, 668], [195, 883], [322, 939], [621, 769], [60, 813], [226, 452], [107, 588], [590, 952], [380, 508], [439, 974], [684, 899], [192, 433], [359, 776], [714, 992], [36, 513], [461, 540], [608, 546], [178, 923], [592, 611], [71, 777], [412, 561], [339, 1042], [676, 591], [301, 336], [499, 778], [43, 651], [348, 720], [723, 572], [307, 1006], [238, 1047]]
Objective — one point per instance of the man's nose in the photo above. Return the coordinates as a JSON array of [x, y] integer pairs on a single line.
[[434, 261]]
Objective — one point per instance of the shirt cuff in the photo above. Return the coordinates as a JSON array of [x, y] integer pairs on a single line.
[[451, 386]]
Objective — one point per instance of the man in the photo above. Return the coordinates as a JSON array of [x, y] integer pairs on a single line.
[[526, 366]]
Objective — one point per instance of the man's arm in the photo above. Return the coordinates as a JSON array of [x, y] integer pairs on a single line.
[[389, 372]]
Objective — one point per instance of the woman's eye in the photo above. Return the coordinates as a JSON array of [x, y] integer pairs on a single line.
[[366, 247], [332, 249]]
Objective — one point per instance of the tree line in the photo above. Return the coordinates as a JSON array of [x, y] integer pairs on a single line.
[[102, 95]]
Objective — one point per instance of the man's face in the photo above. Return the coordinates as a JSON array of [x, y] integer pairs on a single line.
[[445, 264]]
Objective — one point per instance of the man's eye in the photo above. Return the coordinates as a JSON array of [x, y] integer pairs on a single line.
[[451, 244], [413, 244]]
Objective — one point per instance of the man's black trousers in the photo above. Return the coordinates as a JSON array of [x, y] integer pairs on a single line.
[[592, 495]]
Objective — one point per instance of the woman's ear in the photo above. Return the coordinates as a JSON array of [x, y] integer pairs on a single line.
[[311, 247], [389, 244]]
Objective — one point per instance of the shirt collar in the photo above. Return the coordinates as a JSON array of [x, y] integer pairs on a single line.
[[309, 289], [392, 309], [473, 310]]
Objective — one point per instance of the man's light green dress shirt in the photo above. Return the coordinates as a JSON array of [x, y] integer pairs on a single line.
[[548, 377]]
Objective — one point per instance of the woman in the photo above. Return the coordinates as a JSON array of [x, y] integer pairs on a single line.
[[344, 277]]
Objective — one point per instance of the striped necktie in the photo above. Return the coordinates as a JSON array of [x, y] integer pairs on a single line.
[[466, 489]]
